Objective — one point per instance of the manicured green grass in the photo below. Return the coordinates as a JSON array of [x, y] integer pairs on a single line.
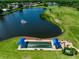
[[8, 50], [69, 18]]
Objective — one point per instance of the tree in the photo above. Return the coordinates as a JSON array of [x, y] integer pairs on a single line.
[[69, 51], [20, 5], [46, 5]]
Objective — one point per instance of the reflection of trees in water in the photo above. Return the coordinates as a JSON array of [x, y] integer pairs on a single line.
[[2, 18], [21, 11], [1, 12]]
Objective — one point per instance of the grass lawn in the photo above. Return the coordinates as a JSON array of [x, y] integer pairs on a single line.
[[8, 51], [69, 18], [70, 21]]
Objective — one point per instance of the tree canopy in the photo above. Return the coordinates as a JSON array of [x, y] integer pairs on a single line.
[[39, 0]]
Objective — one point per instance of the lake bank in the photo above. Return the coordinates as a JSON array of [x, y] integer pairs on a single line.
[[65, 18]]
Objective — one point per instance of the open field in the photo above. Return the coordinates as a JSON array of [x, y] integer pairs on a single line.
[[69, 18]]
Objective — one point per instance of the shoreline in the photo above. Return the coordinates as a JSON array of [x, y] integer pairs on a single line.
[[54, 21]]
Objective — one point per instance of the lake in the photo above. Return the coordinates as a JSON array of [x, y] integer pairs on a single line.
[[35, 26]]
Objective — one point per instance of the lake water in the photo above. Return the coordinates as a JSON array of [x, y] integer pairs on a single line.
[[11, 26]]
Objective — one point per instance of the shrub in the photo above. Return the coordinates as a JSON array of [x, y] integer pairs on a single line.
[[69, 51]]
